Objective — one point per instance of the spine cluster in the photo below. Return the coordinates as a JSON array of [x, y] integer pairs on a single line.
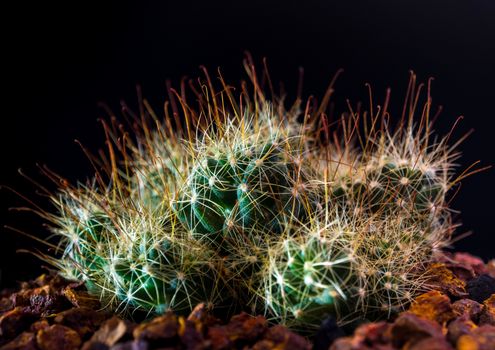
[[250, 206]]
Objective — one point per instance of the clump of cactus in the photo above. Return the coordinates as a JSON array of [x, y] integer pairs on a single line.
[[242, 203]]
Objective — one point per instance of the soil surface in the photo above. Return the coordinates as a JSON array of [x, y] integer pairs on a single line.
[[52, 313]]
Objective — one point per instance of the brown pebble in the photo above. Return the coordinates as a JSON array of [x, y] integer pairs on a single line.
[[201, 317], [162, 327], [25, 341], [459, 327], [110, 332], [41, 300], [58, 337], [6, 304], [475, 263], [13, 322], [190, 334], [280, 337], [83, 320], [409, 328], [95, 346], [377, 333], [39, 325], [482, 338], [433, 306], [241, 328], [446, 281], [431, 344], [487, 315], [80, 298], [467, 308]]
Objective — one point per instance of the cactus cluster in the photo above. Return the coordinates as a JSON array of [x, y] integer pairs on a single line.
[[246, 205]]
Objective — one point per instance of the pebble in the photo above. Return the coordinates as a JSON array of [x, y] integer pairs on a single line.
[[481, 288]]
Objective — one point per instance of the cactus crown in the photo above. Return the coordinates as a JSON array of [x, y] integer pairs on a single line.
[[246, 176]]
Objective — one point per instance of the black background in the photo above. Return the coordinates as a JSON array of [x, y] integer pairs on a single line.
[[60, 60]]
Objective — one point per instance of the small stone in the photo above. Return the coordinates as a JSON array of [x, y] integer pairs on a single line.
[[201, 317], [370, 334], [431, 344], [487, 315], [475, 263], [347, 343], [279, 337], [461, 269], [377, 332], [433, 306], [264, 345], [409, 329], [13, 322], [162, 327], [329, 331], [25, 341], [458, 328], [58, 337], [241, 328], [42, 300], [490, 302], [482, 338], [481, 288], [81, 319], [199, 313], [191, 334], [110, 332], [95, 346], [467, 308], [446, 281], [39, 325]]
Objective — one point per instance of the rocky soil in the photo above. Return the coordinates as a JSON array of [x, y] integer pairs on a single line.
[[50, 313]]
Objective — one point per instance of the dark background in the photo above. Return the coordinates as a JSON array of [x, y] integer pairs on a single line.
[[59, 61]]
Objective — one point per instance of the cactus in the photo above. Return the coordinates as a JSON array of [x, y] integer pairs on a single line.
[[157, 163], [246, 205], [123, 239], [85, 231], [247, 183], [138, 260], [348, 266], [391, 259], [156, 269], [246, 179], [388, 196], [380, 186], [306, 278]]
